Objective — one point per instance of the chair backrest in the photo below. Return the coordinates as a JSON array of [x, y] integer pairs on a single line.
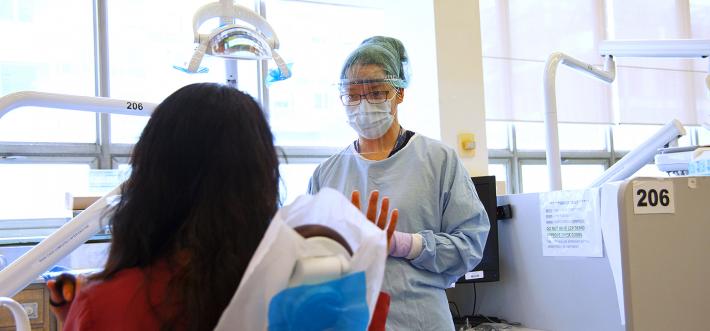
[[22, 321]]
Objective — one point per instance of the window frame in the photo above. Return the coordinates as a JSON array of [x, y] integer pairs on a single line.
[[514, 158], [104, 154], [39, 222]]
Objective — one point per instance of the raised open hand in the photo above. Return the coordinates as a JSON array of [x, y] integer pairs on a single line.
[[380, 219]]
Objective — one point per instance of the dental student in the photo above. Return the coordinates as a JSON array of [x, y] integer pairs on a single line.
[[442, 225]]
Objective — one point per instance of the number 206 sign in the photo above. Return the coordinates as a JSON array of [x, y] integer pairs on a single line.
[[653, 197]]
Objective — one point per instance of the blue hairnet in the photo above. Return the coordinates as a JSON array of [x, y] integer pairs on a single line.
[[386, 52]]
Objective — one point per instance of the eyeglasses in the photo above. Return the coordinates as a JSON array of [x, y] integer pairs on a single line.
[[374, 97]]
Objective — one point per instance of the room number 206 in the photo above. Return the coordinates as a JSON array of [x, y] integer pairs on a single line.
[[652, 198], [134, 105]]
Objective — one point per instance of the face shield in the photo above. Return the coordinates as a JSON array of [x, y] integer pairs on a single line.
[[371, 79]]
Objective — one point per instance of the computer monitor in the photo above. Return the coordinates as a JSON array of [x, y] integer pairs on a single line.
[[487, 270]]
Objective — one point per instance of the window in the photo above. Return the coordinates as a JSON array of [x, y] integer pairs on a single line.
[[649, 170], [303, 110], [49, 64], [574, 176], [306, 109], [497, 135], [500, 171], [295, 180], [136, 55], [628, 137], [517, 39], [34, 195], [703, 136], [573, 137], [584, 157]]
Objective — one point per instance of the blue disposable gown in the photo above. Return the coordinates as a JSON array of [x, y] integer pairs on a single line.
[[435, 196]]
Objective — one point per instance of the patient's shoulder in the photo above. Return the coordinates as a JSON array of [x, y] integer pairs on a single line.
[[132, 292]]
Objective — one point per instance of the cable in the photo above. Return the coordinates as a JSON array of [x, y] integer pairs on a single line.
[[596, 65], [475, 297], [458, 313]]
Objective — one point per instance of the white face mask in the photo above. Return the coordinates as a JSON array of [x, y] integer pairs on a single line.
[[370, 121]]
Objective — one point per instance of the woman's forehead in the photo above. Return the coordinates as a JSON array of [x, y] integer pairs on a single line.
[[364, 78], [365, 72], [365, 87]]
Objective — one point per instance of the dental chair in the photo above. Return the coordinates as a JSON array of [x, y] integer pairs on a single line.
[[22, 321]]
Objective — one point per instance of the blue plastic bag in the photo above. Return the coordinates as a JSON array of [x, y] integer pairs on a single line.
[[334, 305]]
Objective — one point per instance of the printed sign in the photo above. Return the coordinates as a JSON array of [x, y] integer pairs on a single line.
[[653, 197], [570, 223]]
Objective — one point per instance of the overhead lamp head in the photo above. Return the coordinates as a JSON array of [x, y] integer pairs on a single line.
[[238, 42]]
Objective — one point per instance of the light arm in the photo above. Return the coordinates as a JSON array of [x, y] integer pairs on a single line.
[[552, 151], [74, 102], [71, 235], [677, 48], [669, 48], [641, 155], [56, 246]]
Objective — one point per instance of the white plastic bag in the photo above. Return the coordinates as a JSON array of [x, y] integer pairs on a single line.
[[271, 266]]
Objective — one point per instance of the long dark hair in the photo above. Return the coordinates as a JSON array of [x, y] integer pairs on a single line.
[[203, 189]]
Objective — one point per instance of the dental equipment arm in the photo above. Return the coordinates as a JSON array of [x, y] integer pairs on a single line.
[[41, 257], [679, 48], [71, 235], [641, 155], [671, 48], [74, 102], [552, 152]]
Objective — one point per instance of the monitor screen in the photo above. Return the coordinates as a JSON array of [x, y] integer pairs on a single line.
[[487, 270]]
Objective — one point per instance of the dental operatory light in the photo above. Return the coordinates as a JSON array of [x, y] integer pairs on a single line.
[[243, 35]]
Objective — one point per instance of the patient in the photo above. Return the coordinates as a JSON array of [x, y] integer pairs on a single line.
[[203, 189]]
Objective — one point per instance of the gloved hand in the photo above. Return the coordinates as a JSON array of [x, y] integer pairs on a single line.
[[406, 245], [62, 292], [372, 214], [401, 244]]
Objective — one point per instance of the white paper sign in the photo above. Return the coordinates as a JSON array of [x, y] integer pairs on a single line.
[[653, 197], [570, 223]]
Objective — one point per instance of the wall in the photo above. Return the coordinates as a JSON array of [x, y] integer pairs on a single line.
[[412, 22], [445, 96], [460, 88], [460, 77]]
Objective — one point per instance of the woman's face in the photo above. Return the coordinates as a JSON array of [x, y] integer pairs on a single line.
[[375, 89]]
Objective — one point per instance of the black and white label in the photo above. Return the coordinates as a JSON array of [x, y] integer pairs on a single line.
[[653, 197], [474, 275]]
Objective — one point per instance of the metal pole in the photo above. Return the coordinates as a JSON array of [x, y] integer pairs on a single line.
[[101, 77]]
